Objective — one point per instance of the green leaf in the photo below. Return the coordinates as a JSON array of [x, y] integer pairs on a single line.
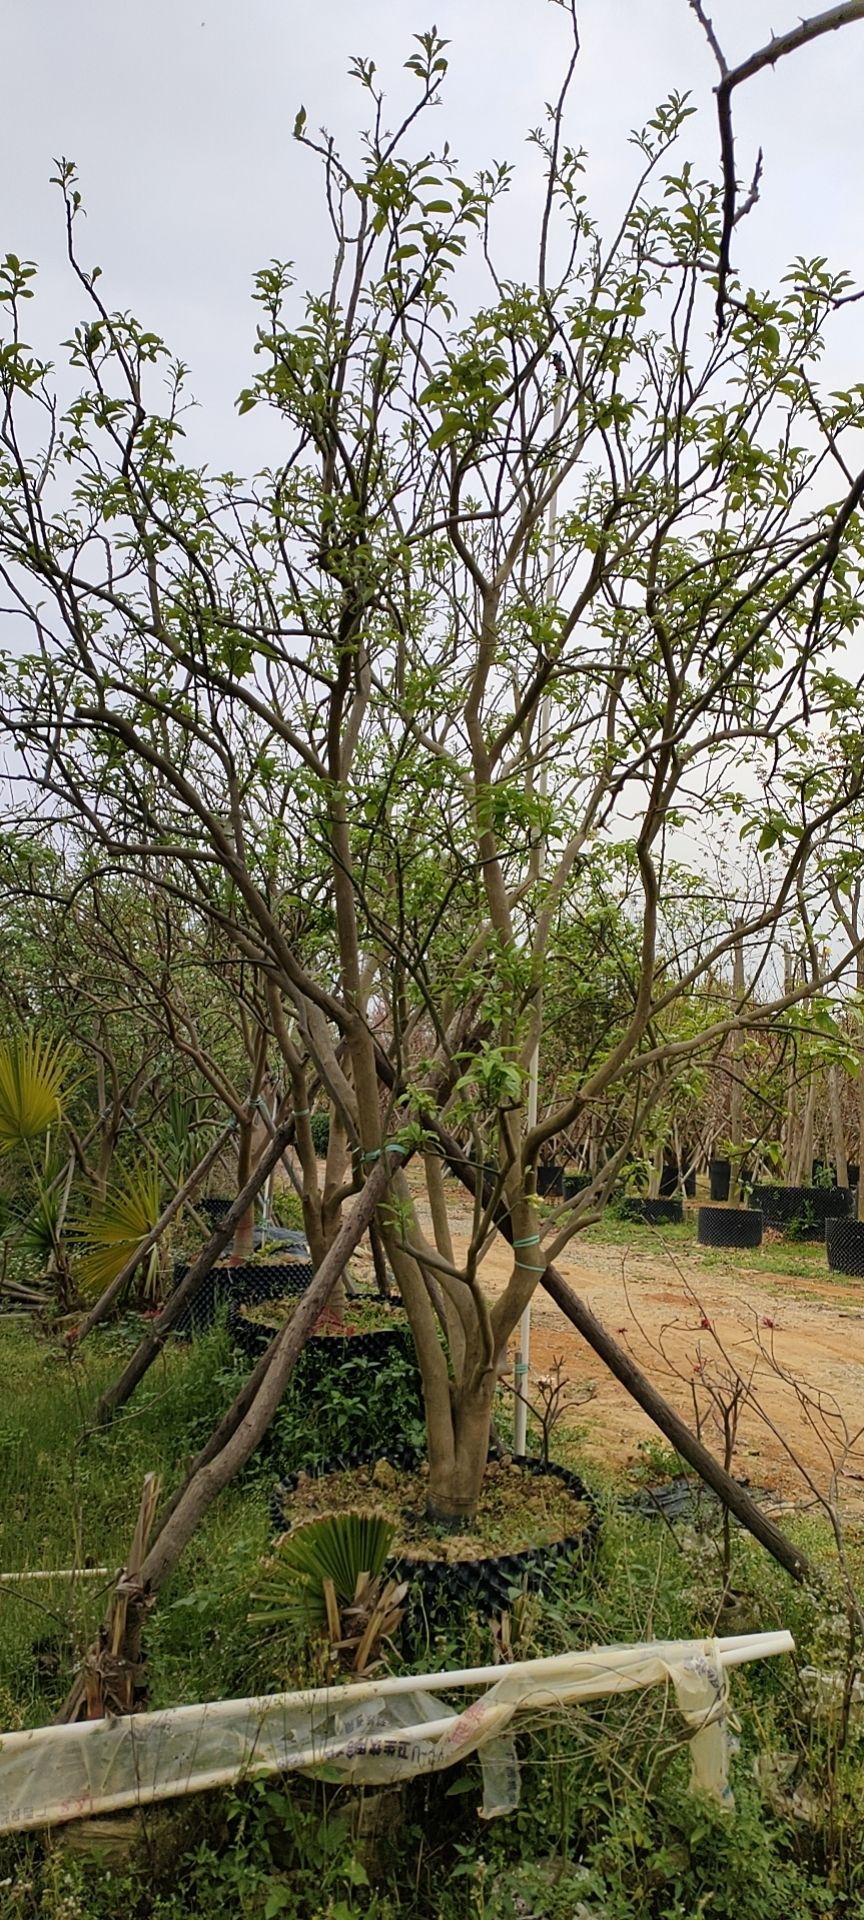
[[115, 1227], [338, 1547], [34, 1073], [278, 1899]]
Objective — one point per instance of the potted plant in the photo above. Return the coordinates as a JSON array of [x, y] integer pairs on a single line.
[[725, 1226]]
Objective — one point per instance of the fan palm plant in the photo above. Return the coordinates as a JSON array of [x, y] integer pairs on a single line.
[[117, 1225], [34, 1084], [326, 1578]]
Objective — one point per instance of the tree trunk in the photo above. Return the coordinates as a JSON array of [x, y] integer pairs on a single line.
[[789, 1132], [736, 1096], [336, 1173], [838, 1135], [244, 1232], [208, 1480], [456, 1480], [379, 1261], [859, 982], [803, 1176]]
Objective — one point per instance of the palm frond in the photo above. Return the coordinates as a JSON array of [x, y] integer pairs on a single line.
[[34, 1083], [38, 1235], [117, 1225], [339, 1550]]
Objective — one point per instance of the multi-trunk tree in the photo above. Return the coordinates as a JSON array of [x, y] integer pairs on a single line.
[[550, 564]]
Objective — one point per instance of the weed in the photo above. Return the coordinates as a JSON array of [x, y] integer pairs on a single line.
[[605, 1825]]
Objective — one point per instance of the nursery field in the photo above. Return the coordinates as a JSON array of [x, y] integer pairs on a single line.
[[605, 1826], [792, 1330], [431, 896]]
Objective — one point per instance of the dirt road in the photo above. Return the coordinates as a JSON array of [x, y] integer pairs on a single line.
[[693, 1323]]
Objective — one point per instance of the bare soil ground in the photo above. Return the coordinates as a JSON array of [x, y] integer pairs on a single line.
[[690, 1317]]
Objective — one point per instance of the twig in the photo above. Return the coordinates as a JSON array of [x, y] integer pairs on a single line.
[[780, 44]]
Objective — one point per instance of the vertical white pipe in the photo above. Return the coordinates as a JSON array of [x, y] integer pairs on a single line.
[[523, 1354]]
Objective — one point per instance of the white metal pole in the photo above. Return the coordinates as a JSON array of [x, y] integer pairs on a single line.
[[523, 1354]]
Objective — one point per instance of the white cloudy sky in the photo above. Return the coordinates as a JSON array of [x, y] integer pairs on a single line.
[[179, 114]]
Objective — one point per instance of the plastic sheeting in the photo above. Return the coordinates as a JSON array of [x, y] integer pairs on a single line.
[[375, 1732]]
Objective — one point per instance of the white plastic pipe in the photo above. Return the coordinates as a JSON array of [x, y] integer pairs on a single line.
[[523, 1355], [734, 1651], [57, 1573], [49, 1775]]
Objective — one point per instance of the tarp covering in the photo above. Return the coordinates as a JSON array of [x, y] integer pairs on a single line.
[[375, 1732]]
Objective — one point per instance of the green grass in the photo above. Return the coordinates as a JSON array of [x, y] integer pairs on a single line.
[[69, 1495], [605, 1818], [778, 1259]]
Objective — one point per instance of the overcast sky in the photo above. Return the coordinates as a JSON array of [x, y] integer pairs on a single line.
[[179, 114]]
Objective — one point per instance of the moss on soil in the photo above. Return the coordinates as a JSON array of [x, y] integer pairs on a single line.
[[517, 1510]]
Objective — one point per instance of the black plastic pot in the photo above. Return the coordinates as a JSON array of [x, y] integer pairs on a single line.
[[657, 1213], [844, 1245], [670, 1181], [679, 1499], [214, 1208], [550, 1180], [325, 1352], [822, 1167], [804, 1210], [719, 1174], [246, 1285], [729, 1227], [488, 1584]]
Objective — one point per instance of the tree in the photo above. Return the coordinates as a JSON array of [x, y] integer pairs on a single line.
[[316, 706]]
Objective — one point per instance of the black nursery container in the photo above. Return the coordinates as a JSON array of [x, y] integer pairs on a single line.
[[214, 1208], [670, 1181], [826, 1168], [324, 1353], [550, 1180], [488, 1583], [245, 1285], [719, 1174], [657, 1213], [844, 1246], [729, 1227], [801, 1211]]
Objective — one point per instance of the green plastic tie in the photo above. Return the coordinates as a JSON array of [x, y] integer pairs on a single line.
[[533, 1240]]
